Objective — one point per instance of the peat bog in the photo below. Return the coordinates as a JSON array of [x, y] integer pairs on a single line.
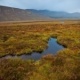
[[53, 47], [19, 38]]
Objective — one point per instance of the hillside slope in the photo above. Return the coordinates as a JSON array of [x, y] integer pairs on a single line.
[[56, 14], [15, 14]]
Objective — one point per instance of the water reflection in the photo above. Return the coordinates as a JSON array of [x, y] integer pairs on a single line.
[[53, 48]]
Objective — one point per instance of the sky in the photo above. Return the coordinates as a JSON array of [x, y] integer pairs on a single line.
[[53, 5]]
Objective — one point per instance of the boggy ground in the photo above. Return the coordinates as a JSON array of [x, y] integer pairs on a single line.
[[18, 39]]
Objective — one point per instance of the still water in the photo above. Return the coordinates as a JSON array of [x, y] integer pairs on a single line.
[[53, 48]]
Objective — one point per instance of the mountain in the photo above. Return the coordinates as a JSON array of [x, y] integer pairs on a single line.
[[15, 14], [56, 14]]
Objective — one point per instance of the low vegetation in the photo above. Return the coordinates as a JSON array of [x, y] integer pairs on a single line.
[[23, 39]]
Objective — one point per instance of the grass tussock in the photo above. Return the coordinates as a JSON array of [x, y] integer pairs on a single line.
[[24, 39]]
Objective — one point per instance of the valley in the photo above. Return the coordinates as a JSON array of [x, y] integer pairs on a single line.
[[18, 38]]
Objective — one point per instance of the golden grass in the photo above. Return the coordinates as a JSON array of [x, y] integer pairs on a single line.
[[19, 39]]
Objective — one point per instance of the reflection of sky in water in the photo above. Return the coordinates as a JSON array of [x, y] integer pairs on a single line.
[[53, 47]]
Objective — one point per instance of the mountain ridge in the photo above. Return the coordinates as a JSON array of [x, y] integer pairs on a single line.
[[16, 14], [56, 14]]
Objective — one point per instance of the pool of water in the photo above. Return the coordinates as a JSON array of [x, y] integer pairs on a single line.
[[53, 48]]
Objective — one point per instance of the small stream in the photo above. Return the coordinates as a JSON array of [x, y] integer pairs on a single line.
[[53, 48]]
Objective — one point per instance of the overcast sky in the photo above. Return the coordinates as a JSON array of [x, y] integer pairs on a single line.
[[54, 5]]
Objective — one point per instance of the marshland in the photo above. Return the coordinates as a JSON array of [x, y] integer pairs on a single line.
[[24, 38]]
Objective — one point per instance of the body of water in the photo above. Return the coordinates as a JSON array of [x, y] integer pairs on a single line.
[[53, 48]]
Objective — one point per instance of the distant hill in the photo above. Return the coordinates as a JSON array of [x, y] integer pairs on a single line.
[[56, 14], [15, 14]]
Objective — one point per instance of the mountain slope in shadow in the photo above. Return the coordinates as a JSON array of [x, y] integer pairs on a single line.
[[56, 14]]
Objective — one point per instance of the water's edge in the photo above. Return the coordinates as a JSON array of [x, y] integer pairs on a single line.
[[53, 48]]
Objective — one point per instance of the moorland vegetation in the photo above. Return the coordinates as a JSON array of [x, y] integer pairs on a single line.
[[25, 38]]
